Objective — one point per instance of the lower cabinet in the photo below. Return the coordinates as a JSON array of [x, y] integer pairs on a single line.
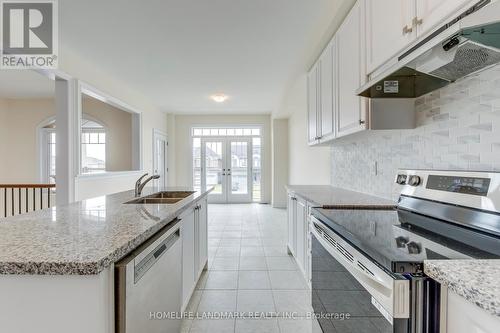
[[298, 232], [194, 247]]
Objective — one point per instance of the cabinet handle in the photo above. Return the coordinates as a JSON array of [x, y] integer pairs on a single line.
[[362, 122], [416, 21], [407, 30]]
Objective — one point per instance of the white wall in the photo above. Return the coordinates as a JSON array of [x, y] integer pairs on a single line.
[[172, 151], [280, 162], [307, 165], [183, 156], [96, 76]]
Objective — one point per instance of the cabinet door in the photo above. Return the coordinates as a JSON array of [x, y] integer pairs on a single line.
[[327, 91], [351, 73], [188, 254], [291, 224], [301, 231], [312, 105], [385, 21], [433, 13], [202, 235]]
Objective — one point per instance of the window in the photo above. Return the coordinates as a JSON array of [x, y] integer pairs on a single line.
[[230, 131], [48, 152], [93, 147]]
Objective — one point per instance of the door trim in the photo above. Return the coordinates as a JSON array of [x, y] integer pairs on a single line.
[[159, 133]]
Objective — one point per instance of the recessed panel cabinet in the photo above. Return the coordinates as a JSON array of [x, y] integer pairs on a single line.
[[298, 233], [194, 233], [351, 114], [369, 39], [392, 25]]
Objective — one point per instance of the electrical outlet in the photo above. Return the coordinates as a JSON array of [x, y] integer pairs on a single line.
[[375, 168], [373, 228]]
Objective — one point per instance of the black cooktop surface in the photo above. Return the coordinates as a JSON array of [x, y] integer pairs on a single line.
[[396, 246]]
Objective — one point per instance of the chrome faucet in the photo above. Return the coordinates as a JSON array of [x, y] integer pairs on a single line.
[[139, 186]]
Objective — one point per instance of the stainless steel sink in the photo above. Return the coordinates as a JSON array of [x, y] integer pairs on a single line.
[[163, 201], [171, 194], [162, 198]]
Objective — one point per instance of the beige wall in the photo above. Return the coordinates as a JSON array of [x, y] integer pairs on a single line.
[[19, 119], [118, 125], [18, 144], [280, 162], [307, 165], [183, 156]]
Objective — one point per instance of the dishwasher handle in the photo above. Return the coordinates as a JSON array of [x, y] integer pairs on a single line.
[[141, 268]]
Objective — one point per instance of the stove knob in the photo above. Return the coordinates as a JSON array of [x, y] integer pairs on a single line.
[[414, 248], [414, 180], [401, 179]]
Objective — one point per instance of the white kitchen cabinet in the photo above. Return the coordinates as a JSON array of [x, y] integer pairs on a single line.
[[202, 233], [389, 29], [301, 223], [432, 13], [465, 317], [298, 232], [327, 92], [351, 111], [313, 104], [292, 229], [188, 254], [393, 25], [194, 233]]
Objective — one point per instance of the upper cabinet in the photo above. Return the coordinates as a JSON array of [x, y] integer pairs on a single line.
[[322, 97], [371, 36], [312, 104], [392, 25], [351, 113], [327, 92], [431, 13], [388, 28]]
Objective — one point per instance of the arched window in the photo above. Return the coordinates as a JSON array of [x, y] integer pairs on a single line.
[[93, 146]]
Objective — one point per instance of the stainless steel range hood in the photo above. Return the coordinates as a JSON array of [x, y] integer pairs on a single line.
[[465, 45]]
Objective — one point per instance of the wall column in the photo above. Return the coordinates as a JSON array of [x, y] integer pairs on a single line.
[[68, 105]]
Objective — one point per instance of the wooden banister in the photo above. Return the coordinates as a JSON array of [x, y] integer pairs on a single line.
[[17, 204]]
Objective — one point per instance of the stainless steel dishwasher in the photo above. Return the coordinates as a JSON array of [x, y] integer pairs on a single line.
[[148, 285]]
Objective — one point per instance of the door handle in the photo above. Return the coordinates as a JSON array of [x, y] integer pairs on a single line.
[[407, 30]]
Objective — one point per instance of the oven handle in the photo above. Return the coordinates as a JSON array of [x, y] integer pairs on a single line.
[[354, 270]]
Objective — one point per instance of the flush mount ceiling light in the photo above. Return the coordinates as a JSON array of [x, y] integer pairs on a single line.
[[219, 98]]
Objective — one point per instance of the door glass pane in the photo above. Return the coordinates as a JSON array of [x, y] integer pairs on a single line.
[[239, 167], [197, 164], [213, 169], [256, 169]]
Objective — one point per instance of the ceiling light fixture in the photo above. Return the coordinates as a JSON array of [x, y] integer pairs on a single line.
[[219, 98]]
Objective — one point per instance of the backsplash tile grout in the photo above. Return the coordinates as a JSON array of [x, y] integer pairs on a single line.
[[458, 128]]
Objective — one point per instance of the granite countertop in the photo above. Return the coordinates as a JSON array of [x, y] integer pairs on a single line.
[[85, 237], [478, 281], [326, 196]]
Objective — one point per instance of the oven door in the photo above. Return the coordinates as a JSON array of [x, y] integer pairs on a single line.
[[350, 293]]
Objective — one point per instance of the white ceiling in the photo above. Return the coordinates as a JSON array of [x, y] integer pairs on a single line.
[[179, 52]]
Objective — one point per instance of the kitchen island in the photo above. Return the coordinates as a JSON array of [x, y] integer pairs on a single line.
[[57, 264]]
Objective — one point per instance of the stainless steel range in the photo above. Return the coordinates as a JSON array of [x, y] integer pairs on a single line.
[[367, 265]]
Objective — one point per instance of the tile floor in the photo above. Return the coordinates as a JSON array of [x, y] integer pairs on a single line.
[[250, 271]]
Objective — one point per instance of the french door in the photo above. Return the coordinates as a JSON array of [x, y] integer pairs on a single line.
[[227, 166]]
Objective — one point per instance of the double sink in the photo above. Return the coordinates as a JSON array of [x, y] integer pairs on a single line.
[[165, 198]]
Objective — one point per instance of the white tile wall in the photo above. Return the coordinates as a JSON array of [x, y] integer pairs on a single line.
[[458, 127]]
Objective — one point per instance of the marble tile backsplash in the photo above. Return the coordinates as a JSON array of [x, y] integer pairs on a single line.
[[458, 128]]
